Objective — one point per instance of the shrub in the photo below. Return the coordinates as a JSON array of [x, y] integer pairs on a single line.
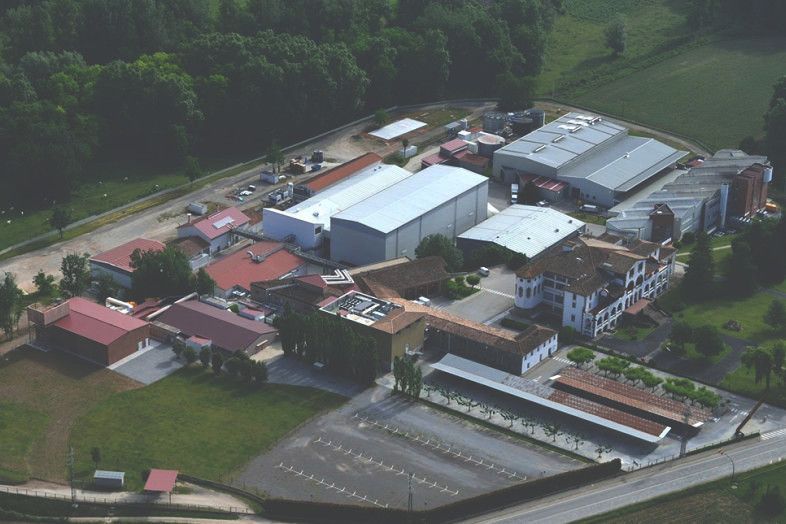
[[473, 280], [567, 335], [688, 238]]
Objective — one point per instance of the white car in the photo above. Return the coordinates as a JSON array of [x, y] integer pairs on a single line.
[[484, 271], [245, 193]]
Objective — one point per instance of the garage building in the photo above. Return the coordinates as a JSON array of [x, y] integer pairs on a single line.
[[391, 223], [116, 263], [598, 160]]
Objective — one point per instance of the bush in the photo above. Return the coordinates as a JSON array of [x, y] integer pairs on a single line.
[[688, 238], [234, 308], [567, 335], [473, 280]]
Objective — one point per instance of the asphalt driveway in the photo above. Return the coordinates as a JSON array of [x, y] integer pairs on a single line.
[[150, 366]]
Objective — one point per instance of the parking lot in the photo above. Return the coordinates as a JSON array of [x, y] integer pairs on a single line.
[[149, 366], [364, 453]]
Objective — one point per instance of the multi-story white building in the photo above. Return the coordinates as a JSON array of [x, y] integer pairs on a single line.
[[591, 282]]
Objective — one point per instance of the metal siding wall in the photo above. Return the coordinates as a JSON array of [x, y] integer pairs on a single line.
[[356, 244], [407, 237]]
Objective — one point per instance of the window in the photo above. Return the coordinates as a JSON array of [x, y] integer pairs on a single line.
[[529, 292], [317, 230], [520, 292], [573, 318]]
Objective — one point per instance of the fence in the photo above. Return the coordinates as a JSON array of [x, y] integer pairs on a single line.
[[145, 501]]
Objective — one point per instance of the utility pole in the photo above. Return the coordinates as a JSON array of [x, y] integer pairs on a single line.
[[409, 499], [70, 462], [684, 442]]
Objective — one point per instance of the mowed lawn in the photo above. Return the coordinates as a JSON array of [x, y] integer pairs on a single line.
[[40, 396], [712, 502], [194, 422], [716, 93], [749, 312]]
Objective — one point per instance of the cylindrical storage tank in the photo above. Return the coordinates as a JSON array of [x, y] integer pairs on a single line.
[[493, 121], [521, 124], [538, 117], [767, 175], [724, 202], [488, 144]]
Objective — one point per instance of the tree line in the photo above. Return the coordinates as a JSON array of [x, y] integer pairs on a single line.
[[317, 337], [158, 81]]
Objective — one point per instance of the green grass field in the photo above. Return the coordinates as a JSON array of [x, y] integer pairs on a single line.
[[192, 421], [712, 502], [577, 49], [716, 93], [748, 312], [742, 381], [42, 394]]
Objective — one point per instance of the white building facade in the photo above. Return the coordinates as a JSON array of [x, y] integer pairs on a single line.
[[591, 286]]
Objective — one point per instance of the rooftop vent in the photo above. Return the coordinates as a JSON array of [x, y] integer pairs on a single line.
[[539, 148], [559, 139]]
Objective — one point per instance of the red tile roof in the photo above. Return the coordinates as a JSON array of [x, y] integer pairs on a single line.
[[161, 480], [454, 146], [96, 322], [433, 160], [217, 224], [120, 256], [227, 330], [238, 269], [345, 170]]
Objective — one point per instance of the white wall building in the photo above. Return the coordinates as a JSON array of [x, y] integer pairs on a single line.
[[590, 283], [392, 222], [308, 223]]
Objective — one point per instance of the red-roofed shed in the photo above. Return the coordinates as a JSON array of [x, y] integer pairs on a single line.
[[161, 481]]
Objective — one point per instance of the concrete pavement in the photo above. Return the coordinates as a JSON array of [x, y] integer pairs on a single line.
[[644, 484]]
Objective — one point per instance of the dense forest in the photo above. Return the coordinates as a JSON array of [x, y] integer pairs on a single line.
[[152, 82]]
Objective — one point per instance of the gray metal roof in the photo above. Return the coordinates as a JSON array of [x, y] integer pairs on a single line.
[[530, 391], [563, 139], [525, 229], [113, 475], [325, 204], [400, 203], [625, 163]]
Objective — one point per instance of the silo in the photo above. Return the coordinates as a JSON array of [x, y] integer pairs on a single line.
[[493, 121], [538, 117], [488, 144], [768, 174], [521, 123]]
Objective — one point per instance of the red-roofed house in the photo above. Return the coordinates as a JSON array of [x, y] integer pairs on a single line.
[[116, 263], [89, 330], [215, 229], [261, 261]]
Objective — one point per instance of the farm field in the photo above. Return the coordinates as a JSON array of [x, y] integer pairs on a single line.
[[577, 48], [712, 502], [42, 394], [192, 421], [730, 105]]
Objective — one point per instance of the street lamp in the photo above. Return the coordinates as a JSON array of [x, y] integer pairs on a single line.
[[723, 452]]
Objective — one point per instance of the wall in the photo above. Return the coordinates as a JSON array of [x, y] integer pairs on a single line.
[[91, 350], [121, 278], [357, 244], [544, 350], [535, 287], [278, 225]]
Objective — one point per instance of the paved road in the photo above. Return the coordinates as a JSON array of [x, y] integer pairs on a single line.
[[644, 484]]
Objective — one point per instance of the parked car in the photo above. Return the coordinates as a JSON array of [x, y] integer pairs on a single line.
[[245, 193], [543, 203], [484, 271], [589, 208], [251, 187]]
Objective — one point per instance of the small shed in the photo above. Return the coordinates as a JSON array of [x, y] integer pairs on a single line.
[[161, 481], [109, 479], [197, 343]]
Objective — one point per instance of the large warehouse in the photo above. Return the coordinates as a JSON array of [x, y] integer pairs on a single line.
[[527, 230], [307, 224], [600, 163], [392, 222]]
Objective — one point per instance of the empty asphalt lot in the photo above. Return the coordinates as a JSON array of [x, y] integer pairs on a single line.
[[347, 456]]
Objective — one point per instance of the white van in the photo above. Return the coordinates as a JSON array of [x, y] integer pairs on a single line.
[[484, 271]]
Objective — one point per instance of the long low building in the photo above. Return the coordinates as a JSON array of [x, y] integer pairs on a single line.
[[597, 159], [392, 222], [527, 230], [729, 186], [558, 401]]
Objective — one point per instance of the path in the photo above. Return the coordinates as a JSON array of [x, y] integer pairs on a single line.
[[699, 369], [716, 248], [198, 496]]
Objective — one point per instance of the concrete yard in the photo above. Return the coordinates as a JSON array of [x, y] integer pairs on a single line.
[[493, 301], [347, 456], [149, 366]]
